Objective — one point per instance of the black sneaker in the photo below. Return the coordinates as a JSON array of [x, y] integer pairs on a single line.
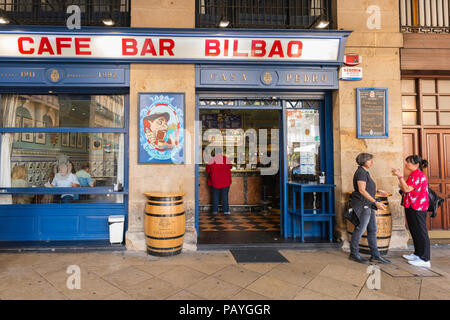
[[358, 259], [379, 259]]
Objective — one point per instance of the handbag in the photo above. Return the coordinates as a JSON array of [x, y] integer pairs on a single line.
[[403, 196], [434, 202], [351, 216]]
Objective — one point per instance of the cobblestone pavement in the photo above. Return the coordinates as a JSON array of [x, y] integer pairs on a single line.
[[216, 275]]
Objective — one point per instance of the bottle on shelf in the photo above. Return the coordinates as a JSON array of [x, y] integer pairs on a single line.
[[322, 178]]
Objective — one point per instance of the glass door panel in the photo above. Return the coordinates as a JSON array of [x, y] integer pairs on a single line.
[[303, 145]]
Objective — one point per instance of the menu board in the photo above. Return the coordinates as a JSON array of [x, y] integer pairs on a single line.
[[372, 113]]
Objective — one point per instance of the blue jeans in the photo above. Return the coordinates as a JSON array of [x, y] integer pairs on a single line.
[[368, 221], [215, 199]]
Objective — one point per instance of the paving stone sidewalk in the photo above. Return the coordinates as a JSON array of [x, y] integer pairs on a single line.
[[213, 275]]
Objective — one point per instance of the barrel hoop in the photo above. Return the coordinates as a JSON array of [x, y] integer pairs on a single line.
[[164, 254], [363, 236], [165, 215], [165, 198], [165, 238], [165, 204], [165, 249], [384, 215]]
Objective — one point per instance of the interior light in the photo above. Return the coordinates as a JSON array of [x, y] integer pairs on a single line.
[[224, 23], [4, 20], [108, 22], [321, 24]]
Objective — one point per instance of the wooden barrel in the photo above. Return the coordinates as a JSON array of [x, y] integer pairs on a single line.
[[164, 223], [384, 228]]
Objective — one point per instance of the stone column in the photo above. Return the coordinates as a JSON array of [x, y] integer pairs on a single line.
[[161, 78], [376, 37]]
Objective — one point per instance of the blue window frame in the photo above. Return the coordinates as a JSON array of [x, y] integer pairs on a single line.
[[324, 107], [60, 221]]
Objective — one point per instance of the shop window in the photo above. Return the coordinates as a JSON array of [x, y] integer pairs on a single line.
[[82, 111], [75, 151]]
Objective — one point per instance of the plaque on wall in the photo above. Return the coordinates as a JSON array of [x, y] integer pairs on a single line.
[[372, 113]]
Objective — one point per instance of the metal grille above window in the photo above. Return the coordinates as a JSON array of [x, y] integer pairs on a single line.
[[267, 14], [224, 103], [54, 12]]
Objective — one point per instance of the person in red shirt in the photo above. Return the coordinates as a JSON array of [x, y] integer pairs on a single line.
[[219, 169], [416, 205]]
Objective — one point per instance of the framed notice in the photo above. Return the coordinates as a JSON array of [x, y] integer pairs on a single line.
[[27, 136], [65, 139], [79, 140], [372, 113], [161, 128], [73, 139], [40, 136]]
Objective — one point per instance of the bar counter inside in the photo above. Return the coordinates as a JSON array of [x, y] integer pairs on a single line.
[[247, 190]]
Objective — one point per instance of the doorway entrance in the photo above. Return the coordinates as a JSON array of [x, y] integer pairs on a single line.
[[266, 155], [249, 136]]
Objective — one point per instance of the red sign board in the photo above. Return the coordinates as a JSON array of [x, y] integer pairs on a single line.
[[352, 59]]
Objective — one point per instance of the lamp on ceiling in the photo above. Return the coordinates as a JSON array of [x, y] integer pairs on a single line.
[[4, 19], [108, 22], [321, 23], [224, 22]]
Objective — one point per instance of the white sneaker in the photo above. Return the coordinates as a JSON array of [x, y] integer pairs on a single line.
[[420, 263], [410, 257]]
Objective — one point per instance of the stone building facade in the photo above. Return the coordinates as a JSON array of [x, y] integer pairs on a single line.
[[378, 42], [373, 29]]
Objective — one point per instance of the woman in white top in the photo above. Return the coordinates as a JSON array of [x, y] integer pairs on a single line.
[[65, 179]]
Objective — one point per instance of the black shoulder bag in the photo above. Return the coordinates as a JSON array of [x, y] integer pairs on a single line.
[[434, 202]]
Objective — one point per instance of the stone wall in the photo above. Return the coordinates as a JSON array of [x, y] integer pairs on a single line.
[[379, 46], [161, 78]]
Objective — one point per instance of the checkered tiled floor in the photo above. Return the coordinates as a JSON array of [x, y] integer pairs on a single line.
[[239, 221]]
